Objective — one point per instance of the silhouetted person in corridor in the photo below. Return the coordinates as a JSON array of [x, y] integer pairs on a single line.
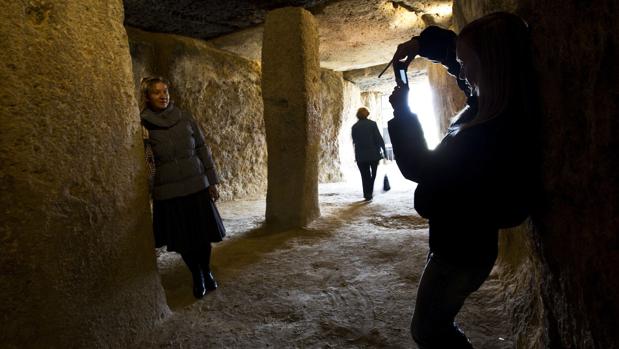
[[368, 143], [479, 178], [184, 186]]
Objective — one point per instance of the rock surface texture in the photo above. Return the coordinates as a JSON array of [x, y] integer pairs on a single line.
[[75, 226], [354, 34], [77, 263], [447, 97], [203, 19], [291, 94], [223, 93], [580, 220], [332, 105]]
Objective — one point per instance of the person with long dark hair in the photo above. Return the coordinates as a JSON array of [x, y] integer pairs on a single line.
[[480, 178], [184, 187]]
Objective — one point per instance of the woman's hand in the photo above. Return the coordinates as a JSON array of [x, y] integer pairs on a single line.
[[213, 192], [407, 51], [399, 98]]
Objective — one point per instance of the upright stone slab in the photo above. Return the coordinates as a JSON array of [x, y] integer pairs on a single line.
[[291, 93], [223, 93], [77, 261]]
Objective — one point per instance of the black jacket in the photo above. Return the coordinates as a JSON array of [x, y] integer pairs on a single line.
[[476, 181], [367, 141], [183, 162]]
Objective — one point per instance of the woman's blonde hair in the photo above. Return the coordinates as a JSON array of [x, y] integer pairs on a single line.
[[363, 113], [507, 81], [146, 86]]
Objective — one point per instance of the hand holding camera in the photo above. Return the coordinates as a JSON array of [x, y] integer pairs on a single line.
[[406, 51], [404, 54]]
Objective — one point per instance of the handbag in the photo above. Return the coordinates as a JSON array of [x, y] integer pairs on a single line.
[[386, 186]]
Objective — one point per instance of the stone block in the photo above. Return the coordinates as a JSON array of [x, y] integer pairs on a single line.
[[291, 94], [77, 263]]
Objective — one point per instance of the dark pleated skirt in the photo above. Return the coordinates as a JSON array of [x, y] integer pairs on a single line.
[[187, 224]]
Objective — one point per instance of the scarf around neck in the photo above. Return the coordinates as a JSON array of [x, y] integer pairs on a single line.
[[165, 118]]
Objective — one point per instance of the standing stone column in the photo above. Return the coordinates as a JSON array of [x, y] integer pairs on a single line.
[[291, 93], [77, 254]]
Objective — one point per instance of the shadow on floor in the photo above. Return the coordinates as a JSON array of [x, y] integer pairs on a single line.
[[243, 250]]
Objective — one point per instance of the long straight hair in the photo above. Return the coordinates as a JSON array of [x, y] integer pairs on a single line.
[[507, 75]]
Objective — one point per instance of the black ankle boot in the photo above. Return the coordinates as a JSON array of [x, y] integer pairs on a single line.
[[198, 284], [209, 282]]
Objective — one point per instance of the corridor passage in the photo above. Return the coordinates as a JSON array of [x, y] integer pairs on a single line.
[[346, 281]]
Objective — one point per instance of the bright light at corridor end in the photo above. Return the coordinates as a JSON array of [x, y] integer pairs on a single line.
[[420, 101], [442, 10]]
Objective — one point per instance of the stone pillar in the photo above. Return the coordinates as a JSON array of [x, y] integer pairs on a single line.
[[447, 97], [77, 262], [291, 93]]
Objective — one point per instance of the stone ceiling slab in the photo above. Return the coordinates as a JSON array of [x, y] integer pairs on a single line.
[[354, 34]]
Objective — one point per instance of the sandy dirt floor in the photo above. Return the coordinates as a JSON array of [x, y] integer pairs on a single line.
[[348, 280]]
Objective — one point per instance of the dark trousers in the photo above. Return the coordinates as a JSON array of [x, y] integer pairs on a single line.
[[442, 290], [198, 261], [368, 176]]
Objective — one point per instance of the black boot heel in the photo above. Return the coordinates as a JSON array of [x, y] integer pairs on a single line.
[[198, 284], [209, 282]]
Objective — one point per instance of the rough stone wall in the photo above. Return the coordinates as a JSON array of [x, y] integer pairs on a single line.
[[521, 273], [578, 227], [575, 230], [332, 105], [230, 101], [465, 11], [77, 262], [353, 99], [291, 93], [223, 93], [447, 97], [372, 100]]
